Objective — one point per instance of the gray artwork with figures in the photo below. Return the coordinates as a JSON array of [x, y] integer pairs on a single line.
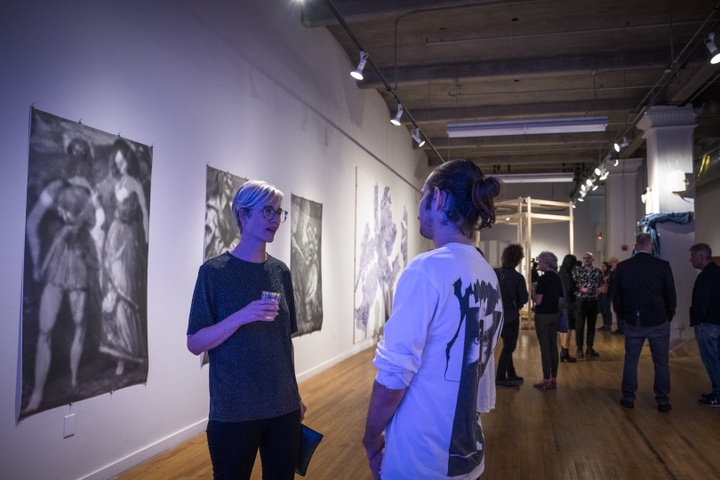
[[84, 317], [381, 252], [221, 230], [305, 264]]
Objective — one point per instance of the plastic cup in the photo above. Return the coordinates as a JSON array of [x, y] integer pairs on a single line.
[[271, 295]]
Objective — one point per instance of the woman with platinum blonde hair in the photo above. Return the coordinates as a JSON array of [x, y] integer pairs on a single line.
[[254, 399]]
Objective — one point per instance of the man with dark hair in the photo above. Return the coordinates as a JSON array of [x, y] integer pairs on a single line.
[[643, 296], [514, 296], [705, 317], [435, 364]]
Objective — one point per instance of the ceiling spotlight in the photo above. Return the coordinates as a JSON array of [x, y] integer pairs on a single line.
[[581, 199], [616, 162], [598, 171], [604, 175], [357, 73], [398, 115], [416, 136], [710, 44], [621, 145], [589, 182]]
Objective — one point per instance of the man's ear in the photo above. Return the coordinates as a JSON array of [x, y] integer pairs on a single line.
[[439, 197]]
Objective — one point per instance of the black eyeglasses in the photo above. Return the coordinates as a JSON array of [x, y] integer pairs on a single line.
[[270, 214]]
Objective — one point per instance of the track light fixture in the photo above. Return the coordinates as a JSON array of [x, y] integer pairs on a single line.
[[396, 120], [621, 145], [710, 44], [416, 136], [357, 73]]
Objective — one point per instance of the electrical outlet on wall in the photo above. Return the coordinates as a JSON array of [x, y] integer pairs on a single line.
[[69, 426]]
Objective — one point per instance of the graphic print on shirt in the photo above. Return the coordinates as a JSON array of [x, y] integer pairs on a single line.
[[467, 355]]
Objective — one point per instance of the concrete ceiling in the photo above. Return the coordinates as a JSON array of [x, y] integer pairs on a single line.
[[452, 61]]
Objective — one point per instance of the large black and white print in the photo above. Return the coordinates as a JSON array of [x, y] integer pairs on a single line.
[[305, 265], [84, 315], [221, 230], [381, 252]]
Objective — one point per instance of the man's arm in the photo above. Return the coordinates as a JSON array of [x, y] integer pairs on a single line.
[[384, 402]]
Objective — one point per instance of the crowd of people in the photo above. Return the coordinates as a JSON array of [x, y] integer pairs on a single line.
[[436, 360]]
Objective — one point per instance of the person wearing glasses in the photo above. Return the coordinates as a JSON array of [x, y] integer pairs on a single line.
[[254, 399]]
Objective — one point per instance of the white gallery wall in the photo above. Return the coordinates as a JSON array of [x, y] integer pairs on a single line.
[[241, 86]]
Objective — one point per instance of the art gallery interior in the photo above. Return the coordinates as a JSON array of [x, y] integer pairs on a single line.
[[247, 88]]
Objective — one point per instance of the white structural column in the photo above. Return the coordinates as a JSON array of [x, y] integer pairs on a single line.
[[621, 207], [669, 132], [669, 140]]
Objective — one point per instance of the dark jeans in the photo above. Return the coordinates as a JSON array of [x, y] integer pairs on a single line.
[[505, 367], [659, 340], [234, 445], [707, 336], [546, 331], [586, 313], [605, 312]]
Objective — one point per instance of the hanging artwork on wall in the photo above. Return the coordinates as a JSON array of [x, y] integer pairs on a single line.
[[84, 315], [305, 264], [221, 230], [381, 252]]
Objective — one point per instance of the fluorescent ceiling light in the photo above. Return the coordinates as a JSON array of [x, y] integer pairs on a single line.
[[527, 127], [536, 178]]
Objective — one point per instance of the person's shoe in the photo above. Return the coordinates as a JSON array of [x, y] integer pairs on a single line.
[[579, 353], [604, 328], [627, 403], [710, 401], [551, 384], [506, 384], [515, 379], [618, 332], [592, 353], [565, 356], [664, 407], [543, 384], [707, 395]]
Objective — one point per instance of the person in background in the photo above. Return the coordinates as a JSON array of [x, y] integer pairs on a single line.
[[548, 297], [588, 280], [569, 291], [604, 299], [613, 261], [254, 399], [705, 317], [514, 296], [644, 297], [436, 364]]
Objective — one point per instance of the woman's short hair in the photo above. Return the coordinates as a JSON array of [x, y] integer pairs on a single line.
[[254, 193], [512, 255], [549, 258], [470, 194]]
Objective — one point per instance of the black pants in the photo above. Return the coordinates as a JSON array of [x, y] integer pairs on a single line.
[[505, 367], [586, 313], [234, 445]]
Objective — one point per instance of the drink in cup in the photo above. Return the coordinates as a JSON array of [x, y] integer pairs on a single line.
[[271, 295]]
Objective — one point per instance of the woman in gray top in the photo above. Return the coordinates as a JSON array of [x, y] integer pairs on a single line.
[[254, 399]]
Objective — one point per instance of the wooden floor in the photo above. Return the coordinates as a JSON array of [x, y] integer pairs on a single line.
[[578, 431]]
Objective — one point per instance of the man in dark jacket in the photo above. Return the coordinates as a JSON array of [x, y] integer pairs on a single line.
[[644, 299], [705, 317]]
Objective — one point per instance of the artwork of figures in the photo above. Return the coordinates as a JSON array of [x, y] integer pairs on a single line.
[[221, 231], [84, 315], [381, 252], [305, 266]]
